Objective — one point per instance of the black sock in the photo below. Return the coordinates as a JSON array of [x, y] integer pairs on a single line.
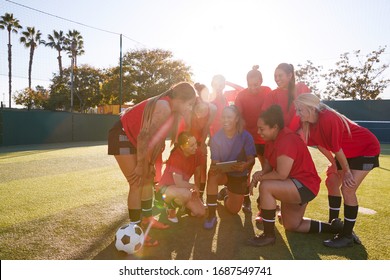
[[212, 204], [268, 221], [147, 209], [135, 216], [317, 227], [334, 206], [350, 215]]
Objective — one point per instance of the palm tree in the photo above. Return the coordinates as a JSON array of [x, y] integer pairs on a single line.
[[12, 25], [57, 41], [31, 39], [73, 37]]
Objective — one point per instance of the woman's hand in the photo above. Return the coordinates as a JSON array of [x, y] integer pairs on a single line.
[[240, 166], [348, 179], [137, 175], [214, 170], [256, 178]]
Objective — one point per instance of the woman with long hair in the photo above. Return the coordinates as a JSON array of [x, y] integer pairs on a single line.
[[138, 138], [356, 152]]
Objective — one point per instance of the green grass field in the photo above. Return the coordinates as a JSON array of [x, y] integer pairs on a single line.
[[66, 201]]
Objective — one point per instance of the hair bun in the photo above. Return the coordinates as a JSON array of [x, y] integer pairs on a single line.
[[255, 67]]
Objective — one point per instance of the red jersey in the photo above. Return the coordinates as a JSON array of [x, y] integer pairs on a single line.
[[331, 133], [280, 97], [132, 119], [250, 105], [220, 103], [180, 164], [290, 144], [197, 126]]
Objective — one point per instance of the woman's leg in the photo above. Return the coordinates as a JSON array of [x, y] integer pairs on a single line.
[[233, 202], [214, 179]]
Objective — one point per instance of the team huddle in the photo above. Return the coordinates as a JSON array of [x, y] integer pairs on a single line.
[[275, 126]]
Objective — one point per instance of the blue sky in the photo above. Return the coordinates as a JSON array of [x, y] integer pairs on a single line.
[[212, 36]]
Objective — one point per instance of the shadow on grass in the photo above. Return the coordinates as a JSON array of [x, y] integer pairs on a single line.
[[312, 248], [189, 240]]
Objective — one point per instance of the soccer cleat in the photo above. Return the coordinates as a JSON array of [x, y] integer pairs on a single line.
[[261, 240], [222, 193], [336, 226], [210, 223], [171, 216], [339, 241], [155, 224], [247, 207]]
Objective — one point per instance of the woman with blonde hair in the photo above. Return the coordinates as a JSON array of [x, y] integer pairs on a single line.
[[138, 138], [356, 152]]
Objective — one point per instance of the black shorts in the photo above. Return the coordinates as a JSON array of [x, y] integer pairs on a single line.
[[260, 149], [304, 192], [366, 163], [118, 143], [237, 185]]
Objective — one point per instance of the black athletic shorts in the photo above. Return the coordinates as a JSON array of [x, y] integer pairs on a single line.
[[305, 193], [366, 163], [118, 143], [237, 185], [260, 149]]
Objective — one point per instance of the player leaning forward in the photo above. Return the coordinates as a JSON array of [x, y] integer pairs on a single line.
[[356, 152], [138, 139], [288, 175]]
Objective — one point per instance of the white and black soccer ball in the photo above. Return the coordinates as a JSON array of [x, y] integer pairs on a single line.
[[129, 238]]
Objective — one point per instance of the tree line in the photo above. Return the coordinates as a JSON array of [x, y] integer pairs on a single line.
[[145, 73]]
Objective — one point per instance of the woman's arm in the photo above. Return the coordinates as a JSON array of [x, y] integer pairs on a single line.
[[348, 179], [180, 182], [282, 171], [161, 114]]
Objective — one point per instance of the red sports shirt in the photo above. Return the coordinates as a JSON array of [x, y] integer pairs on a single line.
[[280, 97], [132, 119], [290, 144], [331, 133], [250, 105], [220, 103], [180, 164]]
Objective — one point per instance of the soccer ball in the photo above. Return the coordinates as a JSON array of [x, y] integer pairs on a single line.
[[129, 238]]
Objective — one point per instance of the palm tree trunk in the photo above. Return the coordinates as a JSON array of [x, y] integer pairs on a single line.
[[59, 58], [30, 66]]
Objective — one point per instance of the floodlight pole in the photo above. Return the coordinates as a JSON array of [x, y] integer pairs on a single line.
[[73, 50]]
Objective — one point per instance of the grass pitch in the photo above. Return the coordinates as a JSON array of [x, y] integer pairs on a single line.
[[66, 201]]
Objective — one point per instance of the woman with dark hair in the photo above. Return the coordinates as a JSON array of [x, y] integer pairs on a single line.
[[356, 152], [138, 138], [285, 94], [231, 143], [174, 188], [288, 175]]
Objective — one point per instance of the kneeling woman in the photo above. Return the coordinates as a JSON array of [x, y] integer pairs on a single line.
[[231, 143], [289, 175], [174, 188]]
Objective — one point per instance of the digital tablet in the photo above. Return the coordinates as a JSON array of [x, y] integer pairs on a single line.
[[226, 166]]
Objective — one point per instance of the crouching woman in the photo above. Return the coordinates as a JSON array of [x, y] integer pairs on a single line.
[[174, 188], [289, 175]]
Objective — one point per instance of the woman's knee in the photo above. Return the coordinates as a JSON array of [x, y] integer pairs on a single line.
[[291, 225]]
